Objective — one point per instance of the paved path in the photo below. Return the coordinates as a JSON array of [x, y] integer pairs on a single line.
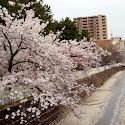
[[105, 106], [112, 109]]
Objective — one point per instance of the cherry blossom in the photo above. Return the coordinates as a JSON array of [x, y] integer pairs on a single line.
[[43, 65]]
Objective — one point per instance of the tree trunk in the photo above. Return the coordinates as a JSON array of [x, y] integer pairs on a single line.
[[10, 65]]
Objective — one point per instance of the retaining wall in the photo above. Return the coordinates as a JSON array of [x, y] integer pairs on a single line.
[[53, 115]]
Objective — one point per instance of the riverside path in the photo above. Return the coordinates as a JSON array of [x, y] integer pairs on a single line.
[[106, 106]]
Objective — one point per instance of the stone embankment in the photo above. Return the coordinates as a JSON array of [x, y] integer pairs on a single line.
[[54, 114]]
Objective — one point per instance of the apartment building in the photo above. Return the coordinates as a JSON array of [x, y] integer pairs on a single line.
[[95, 25]]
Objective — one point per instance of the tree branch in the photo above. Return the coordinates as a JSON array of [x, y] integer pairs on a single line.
[[25, 61], [10, 46]]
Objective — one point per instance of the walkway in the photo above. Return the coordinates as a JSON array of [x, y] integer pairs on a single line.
[[104, 106]]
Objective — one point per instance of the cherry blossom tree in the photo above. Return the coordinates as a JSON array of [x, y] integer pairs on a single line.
[[44, 65], [84, 54]]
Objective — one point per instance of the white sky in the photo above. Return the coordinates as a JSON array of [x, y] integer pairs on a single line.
[[113, 9]]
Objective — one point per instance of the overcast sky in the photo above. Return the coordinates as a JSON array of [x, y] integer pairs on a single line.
[[113, 9]]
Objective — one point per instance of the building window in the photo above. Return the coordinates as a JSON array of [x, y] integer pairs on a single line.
[[84, 20]]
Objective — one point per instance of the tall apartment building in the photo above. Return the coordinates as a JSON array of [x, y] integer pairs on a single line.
[[95, 25]]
